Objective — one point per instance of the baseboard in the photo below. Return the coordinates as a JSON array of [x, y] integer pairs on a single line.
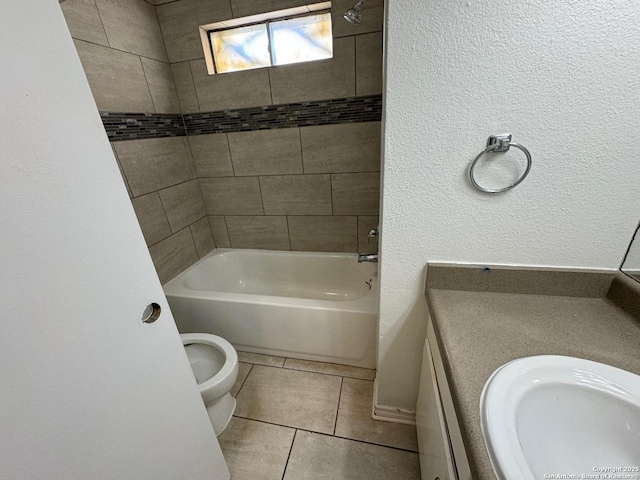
[[386, 413]]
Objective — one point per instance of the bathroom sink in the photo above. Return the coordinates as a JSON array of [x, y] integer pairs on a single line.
[[547, 416]]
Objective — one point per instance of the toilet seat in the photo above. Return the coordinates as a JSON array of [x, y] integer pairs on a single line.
[[218, 343]]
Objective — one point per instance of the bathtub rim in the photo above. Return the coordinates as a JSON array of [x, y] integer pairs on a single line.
[[367, 303]]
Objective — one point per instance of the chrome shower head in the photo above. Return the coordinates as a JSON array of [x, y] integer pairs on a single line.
[[354, 14]]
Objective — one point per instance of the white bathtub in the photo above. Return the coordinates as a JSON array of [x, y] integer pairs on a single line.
[[314, 306]]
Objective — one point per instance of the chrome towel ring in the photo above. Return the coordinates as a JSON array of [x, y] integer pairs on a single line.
[[495, 144]]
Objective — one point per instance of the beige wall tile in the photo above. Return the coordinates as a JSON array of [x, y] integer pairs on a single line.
[[219, 230], [291, 398], [151, 218], [334, 78], [211, 155], [116, 78], [354, 419], [153, 164], [180, 20], [323, 234], [232, 196], [296, 195], [255, 450], [268, 233], [84, 21], [132, 26], [347, 147], [249, 88], [366, 223], [355, 193], [315, 456], [266, 152], [183, 204], [202, 237], [243, 8], [185, 87], [372, 18], [161, 86], [369, 64], [173, 255]]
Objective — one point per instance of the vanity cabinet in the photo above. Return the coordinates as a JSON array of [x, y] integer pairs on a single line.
[[442, 454]]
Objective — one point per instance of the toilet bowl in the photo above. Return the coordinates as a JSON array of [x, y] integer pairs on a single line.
[[214, 362]]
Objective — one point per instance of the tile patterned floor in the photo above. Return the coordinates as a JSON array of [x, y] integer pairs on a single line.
[[303, 420]]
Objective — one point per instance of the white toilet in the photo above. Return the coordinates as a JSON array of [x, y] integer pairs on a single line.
[[214, 362]]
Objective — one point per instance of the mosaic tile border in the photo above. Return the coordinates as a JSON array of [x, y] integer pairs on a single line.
[[136, 126], [324, 112]]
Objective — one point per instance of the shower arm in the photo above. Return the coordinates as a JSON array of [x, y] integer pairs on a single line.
[[359, 4]]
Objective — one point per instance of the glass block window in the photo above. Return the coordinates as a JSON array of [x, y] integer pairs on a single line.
[[241, 48], [301, 39], [276, 41]]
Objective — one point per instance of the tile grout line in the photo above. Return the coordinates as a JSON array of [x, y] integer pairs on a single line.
[[121, 51], [169, 236], [245, 379], [291, 174], [289, 456], [270, 90], [146, 80], [164, 45], [355, 66], [286, 219], [331, 191], [226, 228], [284, 367], [164, 209], [329, 374], [164, 188], [103, 29], [335, 424], [194, 241], [262, 199], [326, 434], [195, 91], [301, 149], [233, 168]]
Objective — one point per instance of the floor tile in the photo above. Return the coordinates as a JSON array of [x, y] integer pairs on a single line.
[[291, 398], [330, 369], [243, 371], [255, 450], [259, 359], [318, 457], [354, 419]]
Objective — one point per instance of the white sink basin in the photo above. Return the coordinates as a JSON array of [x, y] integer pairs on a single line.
[[551, 415]]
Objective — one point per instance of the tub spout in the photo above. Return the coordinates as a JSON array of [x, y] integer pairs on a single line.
[[367, 257]]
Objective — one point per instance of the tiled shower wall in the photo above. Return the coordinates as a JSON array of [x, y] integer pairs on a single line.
[[300, 188], [122, 51]]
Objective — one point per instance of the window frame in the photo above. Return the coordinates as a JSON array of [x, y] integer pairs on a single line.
[[262, 19]]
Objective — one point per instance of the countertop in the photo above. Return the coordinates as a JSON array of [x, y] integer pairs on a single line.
[[479, 331]]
